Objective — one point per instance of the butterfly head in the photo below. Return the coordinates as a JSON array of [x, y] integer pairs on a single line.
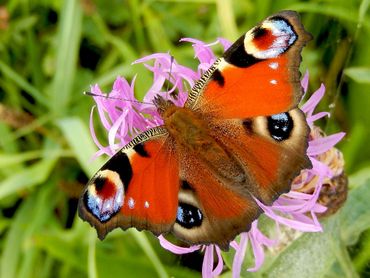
[[163, 105]]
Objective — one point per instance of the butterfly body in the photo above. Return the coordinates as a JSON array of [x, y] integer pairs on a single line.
[[239, 139], [190, 132]]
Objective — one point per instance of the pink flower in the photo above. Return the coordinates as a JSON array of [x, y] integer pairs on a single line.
[[124, 120]]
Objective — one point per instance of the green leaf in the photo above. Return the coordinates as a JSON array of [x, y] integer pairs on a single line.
[[362, 258], [311, 255], [355, 215], [358, 74], [359, 178]]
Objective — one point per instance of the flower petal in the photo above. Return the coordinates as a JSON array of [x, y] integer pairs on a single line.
[[312, 102], [207, 267], [225, 43], [323, 144], [176, 249], [220, 264], [239, 255], [304, 82]]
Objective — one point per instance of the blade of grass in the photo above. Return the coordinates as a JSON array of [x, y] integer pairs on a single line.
[[157, 35], [338, 12], [358, 74], [28, 264], [62, 247], [345, 261], [190, 1], [45, 271], [362, 258], [362, 11], [7, 143], [69, 34], [22, 83], [33, 51], [108, 77], [27, 178], [135, 8], [14, 239], [78, 137], [91, 264], [126, 51], [42, 211], [7, 160], [226, 18]]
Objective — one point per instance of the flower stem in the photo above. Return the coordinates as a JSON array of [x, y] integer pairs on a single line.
[[91, 263], [149, 251], [344, 260]]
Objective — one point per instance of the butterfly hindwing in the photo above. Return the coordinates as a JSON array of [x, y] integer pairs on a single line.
[[137, 187], [270, 150], [210, 211]]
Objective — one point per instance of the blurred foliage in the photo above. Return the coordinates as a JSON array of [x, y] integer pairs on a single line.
[[51, 51]]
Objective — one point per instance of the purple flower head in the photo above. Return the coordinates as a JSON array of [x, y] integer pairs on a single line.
[[124, 117]]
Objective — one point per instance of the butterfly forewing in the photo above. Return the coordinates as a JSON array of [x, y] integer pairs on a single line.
[[138, 187], [258, 75]]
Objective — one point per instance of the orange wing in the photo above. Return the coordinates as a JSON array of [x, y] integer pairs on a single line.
[[258, 75], [138, 187]]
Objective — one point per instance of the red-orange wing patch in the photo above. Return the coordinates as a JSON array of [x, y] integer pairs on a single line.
[[138, 187], [151, 197], [256, 90]]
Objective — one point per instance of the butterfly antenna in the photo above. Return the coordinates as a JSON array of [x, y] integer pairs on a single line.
[[118, 98], [169, 76]]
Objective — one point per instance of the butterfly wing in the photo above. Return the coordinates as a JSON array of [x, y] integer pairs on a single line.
[[271, 152], [138, 187], [258, 75], [250, 98]]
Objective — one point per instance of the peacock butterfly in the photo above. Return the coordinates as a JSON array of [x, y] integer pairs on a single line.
[[240, 137]]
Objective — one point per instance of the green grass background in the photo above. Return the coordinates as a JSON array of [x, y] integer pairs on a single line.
[[51, 51]]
